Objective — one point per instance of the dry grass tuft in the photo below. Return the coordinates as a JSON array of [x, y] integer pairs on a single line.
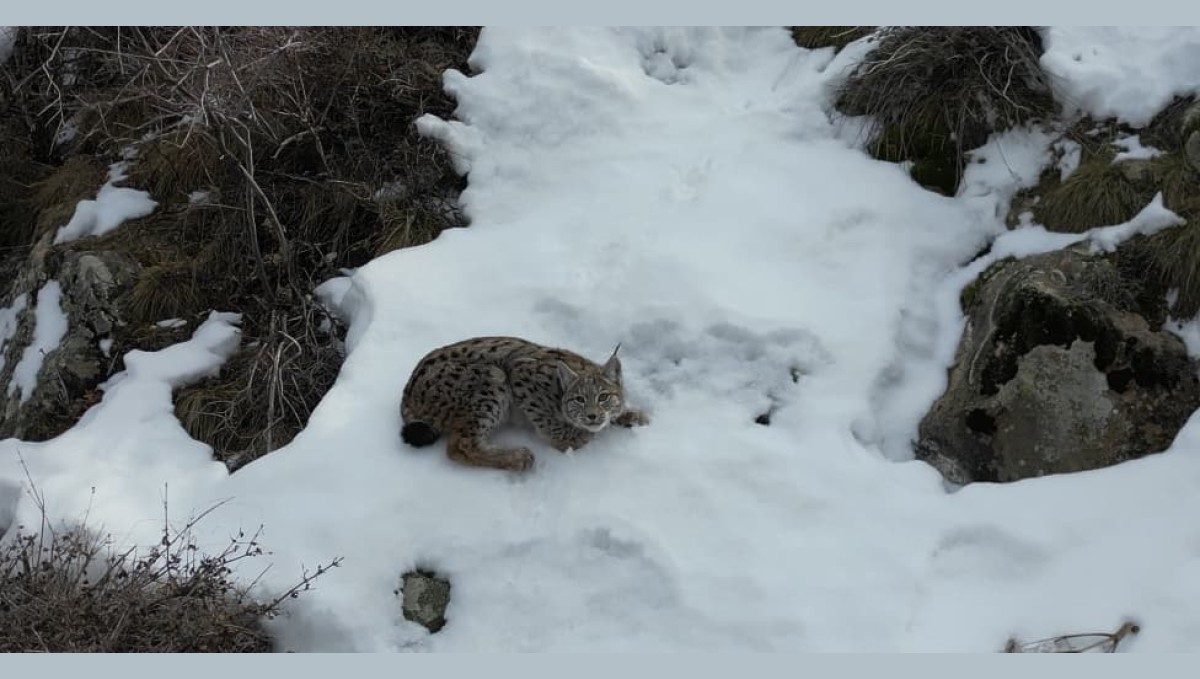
[[55, 197], [265, 393], [1097, 193], [1174, 254], [164, 291], [934, 92], [837, 37]]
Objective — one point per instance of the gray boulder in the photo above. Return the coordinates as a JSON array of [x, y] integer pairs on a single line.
[[425, 596], [1058, 370], [1191, 136], [10, 493]]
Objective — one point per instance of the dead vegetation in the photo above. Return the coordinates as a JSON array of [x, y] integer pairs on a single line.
[[278, 157], [837, 37], [1088, 642], [1103, 191], [70, 591], [935, 92], [1097, 193]]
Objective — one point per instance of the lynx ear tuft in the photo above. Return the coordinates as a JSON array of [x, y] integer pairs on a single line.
[[612, 367]]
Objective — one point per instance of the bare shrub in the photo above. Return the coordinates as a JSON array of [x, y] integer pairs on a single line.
[[69, 591]]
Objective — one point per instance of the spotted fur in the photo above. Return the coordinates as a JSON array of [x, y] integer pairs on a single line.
[[466, 390]]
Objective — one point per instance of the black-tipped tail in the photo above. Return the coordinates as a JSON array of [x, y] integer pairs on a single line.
[[419, 434]]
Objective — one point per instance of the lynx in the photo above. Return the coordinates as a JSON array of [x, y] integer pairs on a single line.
[[466, 390]]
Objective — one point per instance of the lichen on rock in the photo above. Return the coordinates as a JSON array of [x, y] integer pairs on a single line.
[[425, 596], [1063, 366]]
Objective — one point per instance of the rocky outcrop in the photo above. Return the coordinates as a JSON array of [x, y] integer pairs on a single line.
[[1191, 136], [9, 494], [93, 283], [425, 598], [1058, 370]]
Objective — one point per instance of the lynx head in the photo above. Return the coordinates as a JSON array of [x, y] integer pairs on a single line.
[[592, 398]]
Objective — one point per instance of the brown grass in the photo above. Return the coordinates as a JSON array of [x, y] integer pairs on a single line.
[[293, 132], [55, 197], [1097, 193], [20, 172], [937, 91], [1174, 254], [837, 37], [264, 394]]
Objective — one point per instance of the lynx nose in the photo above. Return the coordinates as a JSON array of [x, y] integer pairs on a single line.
[[593, 418]]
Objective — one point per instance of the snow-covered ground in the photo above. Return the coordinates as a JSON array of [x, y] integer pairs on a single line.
[[10, 317], [50, 326], [685, 192], [112, 206], [1127, 73]]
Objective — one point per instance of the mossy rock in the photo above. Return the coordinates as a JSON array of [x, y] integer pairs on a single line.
[[970, 293], [1059, 370]]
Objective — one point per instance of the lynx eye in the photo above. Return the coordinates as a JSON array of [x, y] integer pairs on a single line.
[[606, 397], [579, 400]]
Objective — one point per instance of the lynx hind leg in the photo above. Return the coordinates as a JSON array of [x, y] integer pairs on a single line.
[[475, 452], [486, 401]]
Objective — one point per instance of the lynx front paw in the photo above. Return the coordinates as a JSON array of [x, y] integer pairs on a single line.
[[632, 418], [518, 460]]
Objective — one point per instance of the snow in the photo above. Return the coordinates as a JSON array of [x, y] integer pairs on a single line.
[[687, 193], [1010, 161], [1129, 73], [1153, 218], [112, 206], [130, 444], [1134, 150], [10, 319], [1070, 154], [170, 323], [50, 326], [105, 345], [67, 131]]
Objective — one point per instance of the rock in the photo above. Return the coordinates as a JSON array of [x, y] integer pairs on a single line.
[[425, 597], [1191, 150], [1190, 135], [92, 283], [1136, 170], [10, 493], [1190, 121], [1058, 370]]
